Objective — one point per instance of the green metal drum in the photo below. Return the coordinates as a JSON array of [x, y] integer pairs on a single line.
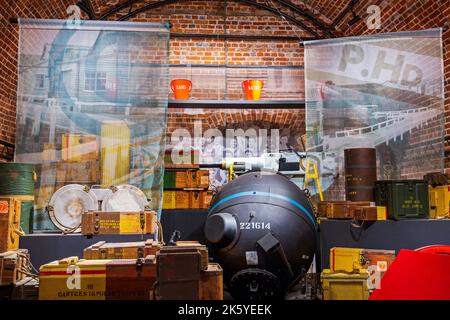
[[17, 180]]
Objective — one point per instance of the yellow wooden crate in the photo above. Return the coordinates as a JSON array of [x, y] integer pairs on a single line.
[[10, 208], [439, 202], [169, 200], [346, 259], [345, 286], [73, 279]]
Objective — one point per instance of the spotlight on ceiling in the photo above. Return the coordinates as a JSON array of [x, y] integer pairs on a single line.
[[354, 19]]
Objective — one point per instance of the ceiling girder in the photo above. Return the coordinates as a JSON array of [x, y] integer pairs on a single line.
[[284, 4]]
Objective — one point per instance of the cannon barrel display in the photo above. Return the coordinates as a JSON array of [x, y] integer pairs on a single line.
[[262, 230]]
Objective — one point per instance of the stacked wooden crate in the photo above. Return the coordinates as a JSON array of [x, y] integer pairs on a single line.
[[14, 266], [123, 250], [197, 279], [361, 210], [26, 289], [186, 189], [117, 271], [106, 279], [14, 262]]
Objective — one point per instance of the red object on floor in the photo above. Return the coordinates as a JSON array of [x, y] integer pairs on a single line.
[[416, 275], [439, 249]]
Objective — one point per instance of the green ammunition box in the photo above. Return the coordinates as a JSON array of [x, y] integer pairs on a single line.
[[404, 199]]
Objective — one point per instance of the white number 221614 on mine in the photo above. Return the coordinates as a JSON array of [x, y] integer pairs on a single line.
[[255, 225]]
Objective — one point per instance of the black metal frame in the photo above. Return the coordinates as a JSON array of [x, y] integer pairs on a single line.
[[294, 11], [344, 12], [236, 37], [237, 104], [86, 6]]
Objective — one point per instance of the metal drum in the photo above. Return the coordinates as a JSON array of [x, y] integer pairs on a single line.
[[360, 174], [17, 180]]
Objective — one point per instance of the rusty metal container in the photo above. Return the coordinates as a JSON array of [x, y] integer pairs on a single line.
[[360, 174]]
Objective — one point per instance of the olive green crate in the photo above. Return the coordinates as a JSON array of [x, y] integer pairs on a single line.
[[404, 199]]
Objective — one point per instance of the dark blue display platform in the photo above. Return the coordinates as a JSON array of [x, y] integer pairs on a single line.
[[390, 235]]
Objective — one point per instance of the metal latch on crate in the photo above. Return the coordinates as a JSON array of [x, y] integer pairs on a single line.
[[96, 223], [139, 265], [142, 220]]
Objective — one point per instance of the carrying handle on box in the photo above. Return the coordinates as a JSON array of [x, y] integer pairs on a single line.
[[19, 231], [69, 260]]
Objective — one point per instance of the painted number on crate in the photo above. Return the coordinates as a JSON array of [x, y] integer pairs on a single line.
[[255, 225], [4, 206]]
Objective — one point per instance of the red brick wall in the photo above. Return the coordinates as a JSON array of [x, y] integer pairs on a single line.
[[9, 49]]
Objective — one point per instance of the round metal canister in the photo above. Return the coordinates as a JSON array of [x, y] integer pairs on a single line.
[[360, 174], [17, 180]]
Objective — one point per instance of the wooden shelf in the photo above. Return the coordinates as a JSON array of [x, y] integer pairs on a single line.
[[238, 104]]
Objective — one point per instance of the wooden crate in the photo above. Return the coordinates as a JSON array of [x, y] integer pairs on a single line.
[[124, 250], [182, 179], [339, 209], [199, 179], [364, 213], [74, 279], [207, 199], [196, 199], [26, 289], [12, 265], [9, 223], [169, 200], [99, 222], [182, 199], [212, 283], [188, 246], [178, 275], [351, 260], [128, 279]]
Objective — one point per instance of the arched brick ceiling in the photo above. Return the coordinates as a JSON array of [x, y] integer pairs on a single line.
[[313, 16]]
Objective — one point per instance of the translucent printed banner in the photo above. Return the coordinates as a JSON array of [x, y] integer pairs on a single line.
[[383, 91], [91, 106]]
